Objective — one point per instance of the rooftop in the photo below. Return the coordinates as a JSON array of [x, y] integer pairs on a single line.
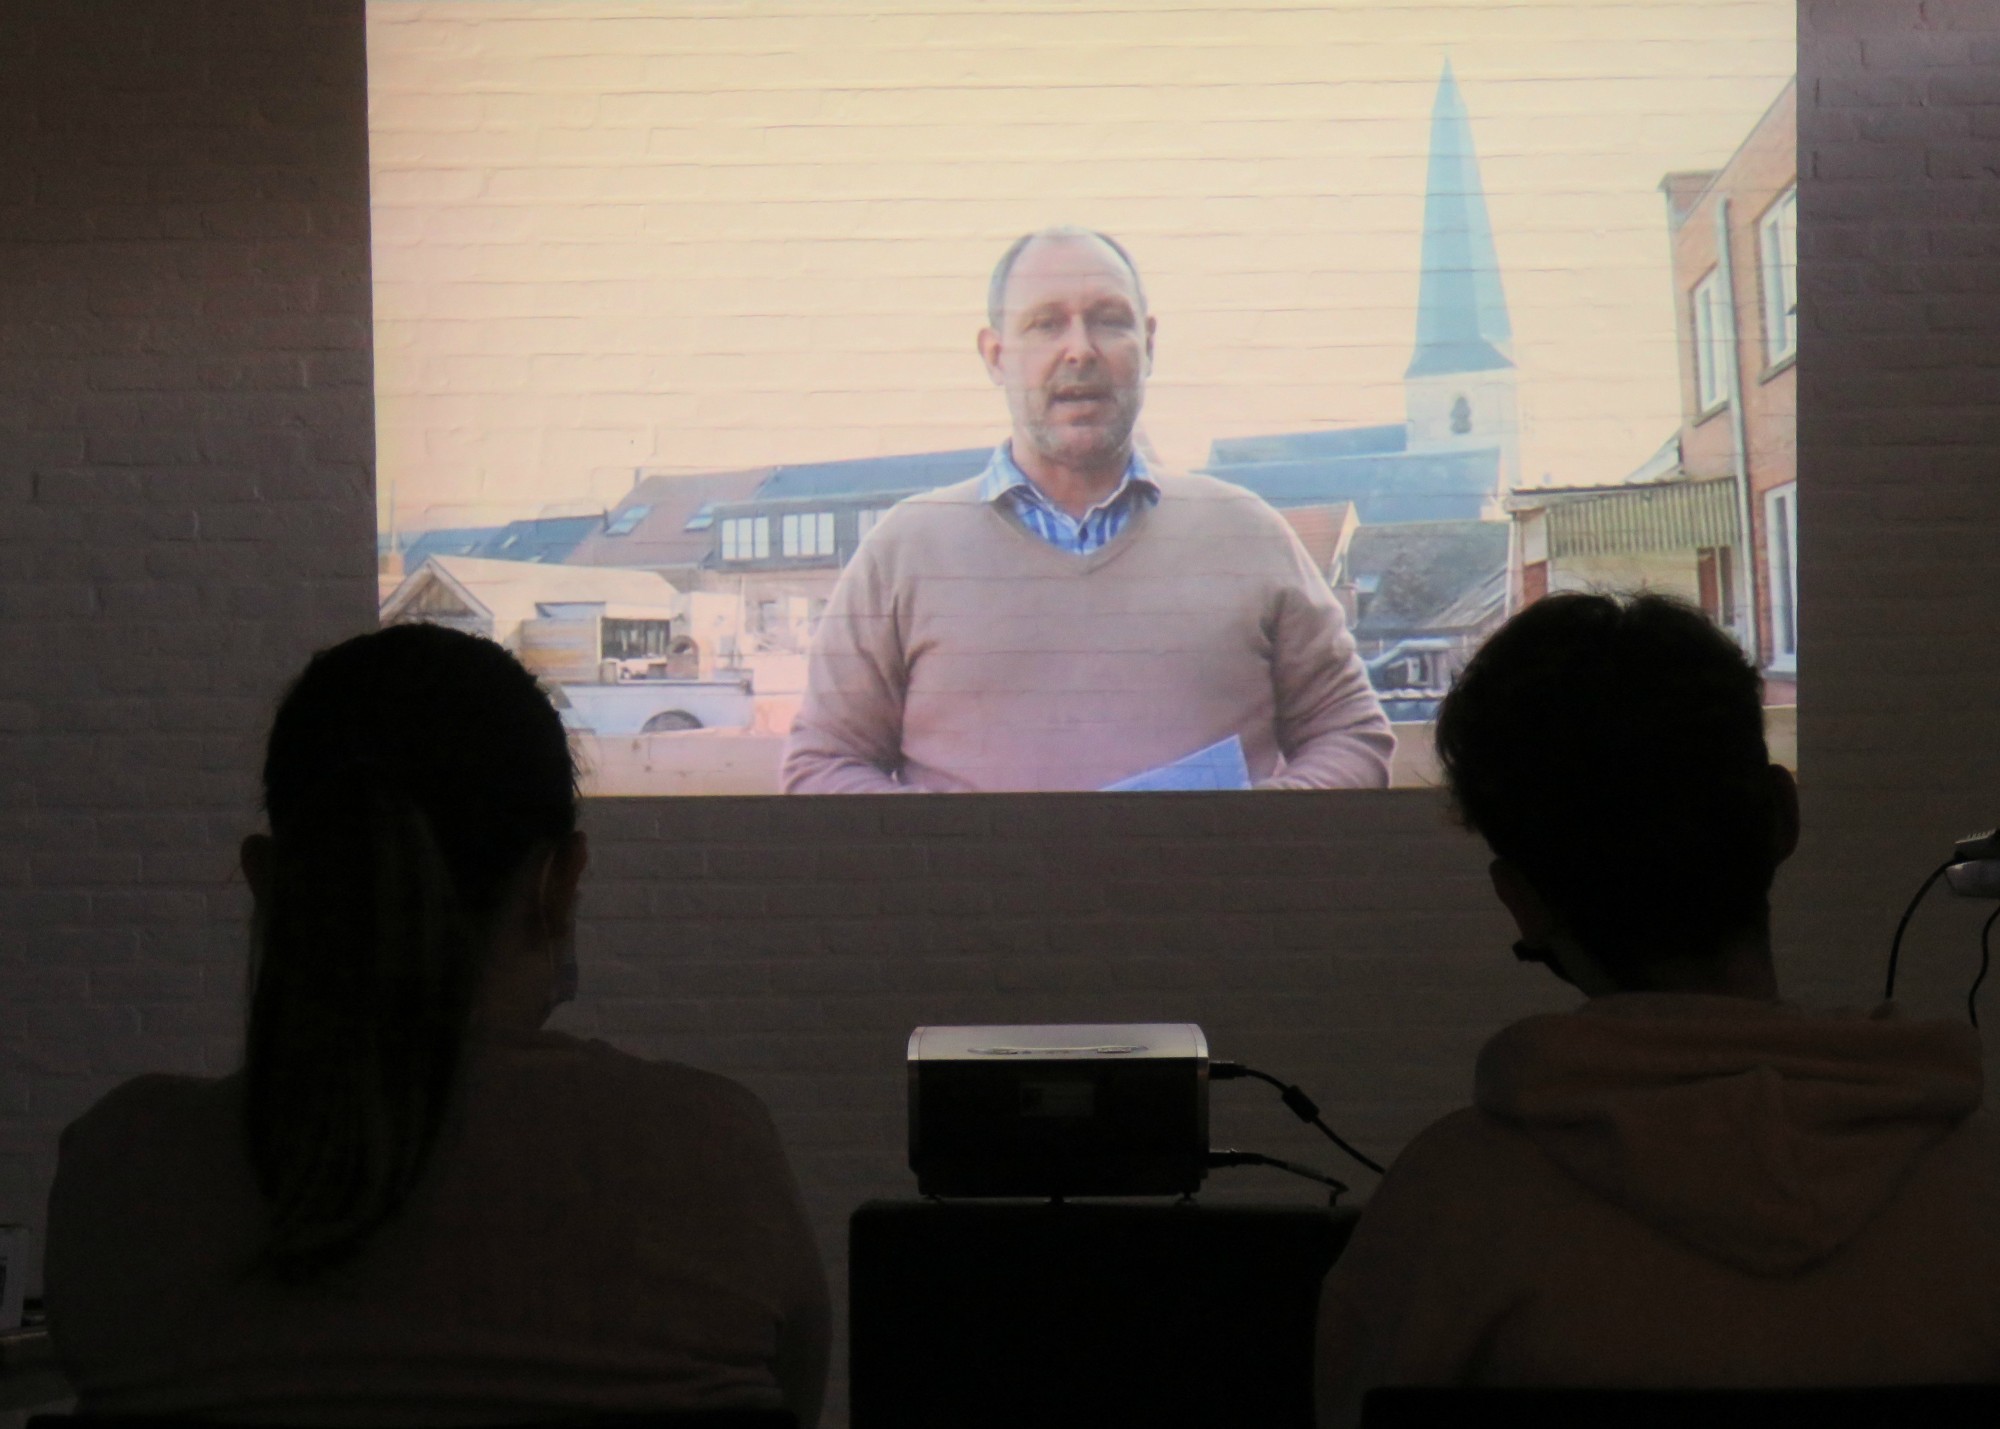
[[1384, 486], [914, 471], [513, 591], [1421, 572]]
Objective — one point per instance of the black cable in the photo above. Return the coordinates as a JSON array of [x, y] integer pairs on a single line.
[[1302, 1106], [1221, 1159], [1985, 957], [1896, 943]]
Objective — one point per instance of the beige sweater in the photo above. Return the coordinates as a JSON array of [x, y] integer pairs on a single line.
[[1673, 1190], [960, 652], [594, 1232]]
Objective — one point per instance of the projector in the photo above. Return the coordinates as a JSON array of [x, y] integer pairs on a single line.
[[1975, 870], [1093, 1110], [1975, 878]]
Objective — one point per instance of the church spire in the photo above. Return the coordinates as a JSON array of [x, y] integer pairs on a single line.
[[1461, 311]]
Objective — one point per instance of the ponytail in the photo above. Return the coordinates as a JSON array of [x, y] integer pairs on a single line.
[[369, 946]]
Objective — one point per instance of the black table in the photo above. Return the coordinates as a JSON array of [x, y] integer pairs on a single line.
[[969, 1314]]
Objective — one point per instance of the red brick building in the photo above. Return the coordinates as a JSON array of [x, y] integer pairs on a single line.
[[1736, 318]]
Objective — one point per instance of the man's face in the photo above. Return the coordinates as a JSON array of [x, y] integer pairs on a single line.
[[1072, 351]]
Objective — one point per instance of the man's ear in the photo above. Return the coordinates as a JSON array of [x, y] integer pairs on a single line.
[[1784, 811], [989, 353], [1152, 327], [255, 858], [1531, 915]]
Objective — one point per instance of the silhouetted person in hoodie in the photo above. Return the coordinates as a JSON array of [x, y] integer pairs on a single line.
[[1687, 1181]]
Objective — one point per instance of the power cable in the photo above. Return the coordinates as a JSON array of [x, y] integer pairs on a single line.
[[1257, 1158], [1985, 957], [1896, 943], [1301, 1106]]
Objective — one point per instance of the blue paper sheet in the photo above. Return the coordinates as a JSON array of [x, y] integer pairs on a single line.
[[1220, 766]]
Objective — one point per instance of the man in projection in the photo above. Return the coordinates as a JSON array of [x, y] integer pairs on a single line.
[[1072, 618]]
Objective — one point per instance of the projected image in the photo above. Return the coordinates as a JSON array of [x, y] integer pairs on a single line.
[[964, 396]]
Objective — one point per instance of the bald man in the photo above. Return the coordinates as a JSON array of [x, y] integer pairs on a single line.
[[1071, 618]]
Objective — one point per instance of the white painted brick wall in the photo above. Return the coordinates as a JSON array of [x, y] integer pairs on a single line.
[[185, 512], [185, 454]]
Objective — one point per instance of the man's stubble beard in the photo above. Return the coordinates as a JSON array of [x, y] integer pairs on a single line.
[[1085, 446]]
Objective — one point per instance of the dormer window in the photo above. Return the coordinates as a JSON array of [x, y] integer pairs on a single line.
[[746, 538], [807, 534]]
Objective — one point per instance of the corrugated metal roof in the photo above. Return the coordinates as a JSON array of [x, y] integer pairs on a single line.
[[1668, 516]]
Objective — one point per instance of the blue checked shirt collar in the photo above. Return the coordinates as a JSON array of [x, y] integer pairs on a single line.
[[1005, 483]]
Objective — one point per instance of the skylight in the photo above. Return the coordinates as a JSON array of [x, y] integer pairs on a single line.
[[629, 518]]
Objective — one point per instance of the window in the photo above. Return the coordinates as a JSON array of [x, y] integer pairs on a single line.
[[865, 521], [634, 639], [1781, 545], [1711, 344], [807, 534], [1778, 253], [703, 518], [746, 538], [627, 519]]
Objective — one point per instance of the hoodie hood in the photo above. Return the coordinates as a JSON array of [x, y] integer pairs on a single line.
[[1759, 1135]]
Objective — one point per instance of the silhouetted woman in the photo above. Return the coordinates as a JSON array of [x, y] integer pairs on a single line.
[[413, 1204]]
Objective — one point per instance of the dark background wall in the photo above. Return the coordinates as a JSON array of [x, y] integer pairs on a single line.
[[185, 512]]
